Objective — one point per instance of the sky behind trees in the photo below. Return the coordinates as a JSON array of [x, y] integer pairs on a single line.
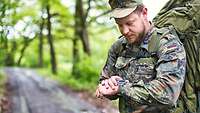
[[154, 6]]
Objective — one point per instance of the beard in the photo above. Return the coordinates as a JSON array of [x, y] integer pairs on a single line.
[[142, 33], [137, 38]]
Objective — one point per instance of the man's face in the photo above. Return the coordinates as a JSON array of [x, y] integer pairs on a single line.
[[132, 27]]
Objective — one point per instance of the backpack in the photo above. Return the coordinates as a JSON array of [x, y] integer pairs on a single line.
[[184, 16]]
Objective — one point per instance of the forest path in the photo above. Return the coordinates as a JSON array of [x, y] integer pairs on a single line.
[[31, 93]]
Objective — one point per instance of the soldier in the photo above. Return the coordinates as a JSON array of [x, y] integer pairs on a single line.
[[145, 67]]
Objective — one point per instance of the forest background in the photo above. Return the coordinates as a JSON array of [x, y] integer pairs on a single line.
[[65, 40]]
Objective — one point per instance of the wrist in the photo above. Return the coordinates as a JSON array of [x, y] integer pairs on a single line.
[[121, 84]]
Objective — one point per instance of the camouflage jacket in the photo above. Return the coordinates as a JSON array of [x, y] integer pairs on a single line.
[[153, 72]]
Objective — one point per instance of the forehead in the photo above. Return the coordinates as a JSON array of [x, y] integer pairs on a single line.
[[128, 18]]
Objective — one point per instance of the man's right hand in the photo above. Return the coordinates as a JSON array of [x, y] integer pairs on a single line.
[[111, 82], [108, 87]]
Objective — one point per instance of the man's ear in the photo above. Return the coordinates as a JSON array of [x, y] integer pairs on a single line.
[[144, 12]]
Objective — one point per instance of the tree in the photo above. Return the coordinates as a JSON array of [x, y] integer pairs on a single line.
[[80, 33], [7, 49], [81, 25], [40, 46], [26, 43], [50, 40], [45, 22]]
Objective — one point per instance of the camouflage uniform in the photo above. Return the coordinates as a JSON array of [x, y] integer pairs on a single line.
[[153, 72]]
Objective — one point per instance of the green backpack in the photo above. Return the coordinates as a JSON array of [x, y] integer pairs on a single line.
[[184, 15]]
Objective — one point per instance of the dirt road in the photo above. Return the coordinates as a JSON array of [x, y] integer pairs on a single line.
[[30, 93]]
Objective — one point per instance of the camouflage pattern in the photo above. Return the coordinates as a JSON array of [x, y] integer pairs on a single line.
[[184, 15], [122, 8], [153, 72], [124, 3]]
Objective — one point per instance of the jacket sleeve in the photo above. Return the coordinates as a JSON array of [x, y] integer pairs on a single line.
[[109, 67], [170, 73]]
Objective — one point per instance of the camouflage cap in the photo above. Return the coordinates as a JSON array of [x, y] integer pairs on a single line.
[[122, 8]]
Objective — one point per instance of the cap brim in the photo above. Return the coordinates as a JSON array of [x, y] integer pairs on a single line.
[[121, 12]]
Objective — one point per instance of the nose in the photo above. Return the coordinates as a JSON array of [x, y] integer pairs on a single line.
[[124, 30]]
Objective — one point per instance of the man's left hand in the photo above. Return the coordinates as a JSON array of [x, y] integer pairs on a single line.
[[109, 86], [108, 91]]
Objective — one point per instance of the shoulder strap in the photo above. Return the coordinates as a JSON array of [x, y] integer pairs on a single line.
[[154, 42]]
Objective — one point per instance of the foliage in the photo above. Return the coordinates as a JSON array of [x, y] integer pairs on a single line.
[[21, 21], [64, 77], [89, 67], [87, 71]]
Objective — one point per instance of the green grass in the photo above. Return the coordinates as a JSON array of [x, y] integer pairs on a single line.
[[2, 83], [65, 78]]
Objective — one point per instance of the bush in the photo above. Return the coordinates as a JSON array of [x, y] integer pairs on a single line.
[[88, 70]]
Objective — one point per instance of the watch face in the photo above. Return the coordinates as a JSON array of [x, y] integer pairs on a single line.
[[121, 82]]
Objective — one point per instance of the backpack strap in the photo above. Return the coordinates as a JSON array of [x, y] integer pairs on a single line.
[[154, 42], [157, 35], [198, 48]]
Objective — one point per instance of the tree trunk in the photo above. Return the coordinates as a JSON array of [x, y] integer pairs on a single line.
[[76, 58], [26, 44], [82, 32], [50, 40], [22, 51], [40, 56], [9, 58], [77, 36], [85, 40]]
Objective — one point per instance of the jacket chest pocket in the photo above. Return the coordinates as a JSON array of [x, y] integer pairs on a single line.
[[145, 66], [136, 69], [122, 66]]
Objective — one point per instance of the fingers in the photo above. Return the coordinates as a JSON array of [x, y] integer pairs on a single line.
[[98, 93], [106, 83], [108, 86], [111, 82], [117, 78], [105, 92], [103, 82], [114, 81]]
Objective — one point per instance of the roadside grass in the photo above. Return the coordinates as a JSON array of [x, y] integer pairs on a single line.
[[2, 83], [65, 78]]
